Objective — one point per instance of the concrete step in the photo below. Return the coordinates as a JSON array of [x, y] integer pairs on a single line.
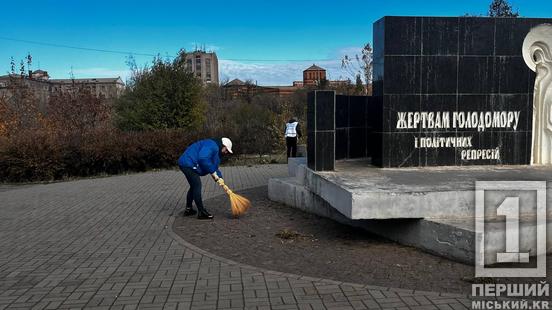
[[361, 191], [450, 238], [438, 238]]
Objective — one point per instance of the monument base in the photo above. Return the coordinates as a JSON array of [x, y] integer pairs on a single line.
[[431, 208]]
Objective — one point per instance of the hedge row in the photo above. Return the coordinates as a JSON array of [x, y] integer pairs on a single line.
[[40, 156]]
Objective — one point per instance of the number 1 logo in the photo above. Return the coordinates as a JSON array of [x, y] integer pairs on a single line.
[[509, 209]]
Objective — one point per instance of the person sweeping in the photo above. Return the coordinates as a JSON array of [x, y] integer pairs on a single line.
[[202, 158]]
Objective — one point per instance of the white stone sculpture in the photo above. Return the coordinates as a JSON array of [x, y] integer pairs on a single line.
[[537, 53]]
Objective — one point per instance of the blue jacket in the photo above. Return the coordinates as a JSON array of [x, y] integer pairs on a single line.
[[203, 157]]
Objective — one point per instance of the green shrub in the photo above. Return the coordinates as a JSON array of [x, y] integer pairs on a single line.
[[165, 96]]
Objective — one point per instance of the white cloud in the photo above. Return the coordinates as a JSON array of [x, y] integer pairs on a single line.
[[273, 73], [262, 73], [276, 73], [284, 73]]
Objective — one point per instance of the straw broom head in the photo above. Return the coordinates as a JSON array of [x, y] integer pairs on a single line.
[[238, 203]]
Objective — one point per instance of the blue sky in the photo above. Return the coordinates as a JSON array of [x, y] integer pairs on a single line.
[[246, 35]]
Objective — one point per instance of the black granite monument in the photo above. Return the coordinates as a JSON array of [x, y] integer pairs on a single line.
[[446, 91], [454, 91]]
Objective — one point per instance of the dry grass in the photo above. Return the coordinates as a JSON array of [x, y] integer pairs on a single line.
[[287, 234]]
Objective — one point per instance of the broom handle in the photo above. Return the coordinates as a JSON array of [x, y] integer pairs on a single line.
[[224, 186], [227, 190]]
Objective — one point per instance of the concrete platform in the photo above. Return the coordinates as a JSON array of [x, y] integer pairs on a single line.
[[430, 208], [361, 191]]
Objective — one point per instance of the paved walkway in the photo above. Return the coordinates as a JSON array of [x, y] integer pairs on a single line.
[[107, 244]]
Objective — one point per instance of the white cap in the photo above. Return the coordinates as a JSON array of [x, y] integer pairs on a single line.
[[226, 142]]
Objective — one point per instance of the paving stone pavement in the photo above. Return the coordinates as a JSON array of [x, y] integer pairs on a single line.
[[106, 243]]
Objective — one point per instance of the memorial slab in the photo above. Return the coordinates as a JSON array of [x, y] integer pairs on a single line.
[[429, 208], [454, 91]]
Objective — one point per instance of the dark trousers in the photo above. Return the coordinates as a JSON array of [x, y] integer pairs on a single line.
[[194, 193], [291, 143]]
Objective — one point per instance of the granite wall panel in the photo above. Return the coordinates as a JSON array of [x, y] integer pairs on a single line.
[[321, 135], [467, 74]]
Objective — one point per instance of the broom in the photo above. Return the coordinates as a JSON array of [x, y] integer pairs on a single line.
[[238, 203]]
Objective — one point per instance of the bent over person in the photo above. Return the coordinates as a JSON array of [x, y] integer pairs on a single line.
[[199, 159], [293, 132]]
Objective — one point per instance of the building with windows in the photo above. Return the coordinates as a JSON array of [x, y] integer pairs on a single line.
[[313, 75], [204, 65], [42, 86], [238, 88], [108, 88]]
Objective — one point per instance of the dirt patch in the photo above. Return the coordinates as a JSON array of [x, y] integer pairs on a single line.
[[281, 238]]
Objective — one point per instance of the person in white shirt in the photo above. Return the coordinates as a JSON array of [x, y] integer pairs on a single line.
[[292, 133]]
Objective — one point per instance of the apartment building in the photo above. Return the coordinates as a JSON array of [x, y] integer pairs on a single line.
[[204, 65]]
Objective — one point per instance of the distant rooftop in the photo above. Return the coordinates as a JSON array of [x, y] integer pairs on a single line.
[[117, 80], [200, 51], [285, 87], [314, 68], [235, 82], [88, 80]]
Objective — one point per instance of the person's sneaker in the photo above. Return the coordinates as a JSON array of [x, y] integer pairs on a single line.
[[205, 216], [188, 212]]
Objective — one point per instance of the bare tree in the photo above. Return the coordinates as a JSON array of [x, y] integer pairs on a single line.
[[12, 66], [29, 59], [359, 64], [359, 86], [22, 69], [501, 8]]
